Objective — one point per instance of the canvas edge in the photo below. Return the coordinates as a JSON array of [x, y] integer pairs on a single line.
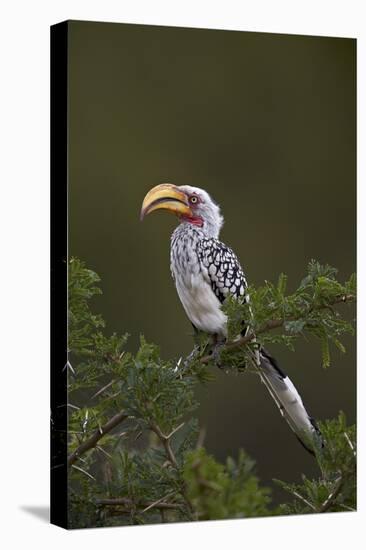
[[59, 255]]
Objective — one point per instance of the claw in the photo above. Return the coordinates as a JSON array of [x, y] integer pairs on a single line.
[[216, 353]]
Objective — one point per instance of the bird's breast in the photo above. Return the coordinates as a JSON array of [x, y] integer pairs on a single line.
[[198, 299]]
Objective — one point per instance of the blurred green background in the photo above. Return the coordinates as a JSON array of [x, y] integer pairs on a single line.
[[266, 124]]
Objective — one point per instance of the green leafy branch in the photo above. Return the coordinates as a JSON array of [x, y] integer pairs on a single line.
[[336, 488], [308, 311], [135, 451]]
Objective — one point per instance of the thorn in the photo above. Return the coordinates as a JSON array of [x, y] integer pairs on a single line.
[[174, 431], [83, 471], [68, 366]]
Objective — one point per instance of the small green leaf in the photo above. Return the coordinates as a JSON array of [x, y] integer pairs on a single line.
[[339, 345], [325, 351], [294, 327], [282, 282]]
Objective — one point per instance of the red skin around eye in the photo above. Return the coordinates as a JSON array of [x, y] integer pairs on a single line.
[[194, 220]]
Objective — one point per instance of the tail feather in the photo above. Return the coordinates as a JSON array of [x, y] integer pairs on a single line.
[[289, 402]]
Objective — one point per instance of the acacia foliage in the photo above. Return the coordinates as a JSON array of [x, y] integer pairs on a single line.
[[152, 467], [309, 311]]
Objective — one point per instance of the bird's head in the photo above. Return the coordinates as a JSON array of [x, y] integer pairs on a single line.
[[191, 205]]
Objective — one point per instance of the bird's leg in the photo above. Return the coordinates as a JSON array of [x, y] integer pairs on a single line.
[[200, 345], [196, 336], [196, 350], [217, 345]]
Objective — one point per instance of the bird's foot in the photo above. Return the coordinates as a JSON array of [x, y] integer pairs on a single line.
[[215, 352]]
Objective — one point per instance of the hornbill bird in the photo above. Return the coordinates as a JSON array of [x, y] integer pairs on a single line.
[[205, 272]]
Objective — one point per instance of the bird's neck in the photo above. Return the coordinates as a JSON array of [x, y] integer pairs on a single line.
[[186, 229], [188, 233]]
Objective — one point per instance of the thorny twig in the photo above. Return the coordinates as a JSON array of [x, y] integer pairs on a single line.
[[159, 501], [166, 444], [128, 503], [97, 435], [297, 495], [333, 495], [165, 440]]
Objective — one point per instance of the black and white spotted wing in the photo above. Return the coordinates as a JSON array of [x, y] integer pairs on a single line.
[[223, 270]]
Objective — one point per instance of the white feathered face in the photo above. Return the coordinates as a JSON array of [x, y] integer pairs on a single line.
[[191, 205], [206, 213]]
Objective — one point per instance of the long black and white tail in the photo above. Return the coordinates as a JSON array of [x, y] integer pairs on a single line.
[[289, 402]]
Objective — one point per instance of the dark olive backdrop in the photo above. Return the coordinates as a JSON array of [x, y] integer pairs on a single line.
[[266, 124]]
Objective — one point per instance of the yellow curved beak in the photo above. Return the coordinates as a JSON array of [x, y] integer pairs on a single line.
[[165, 197]]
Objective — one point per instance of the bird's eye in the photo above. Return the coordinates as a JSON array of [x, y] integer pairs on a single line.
[[193, 200]]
